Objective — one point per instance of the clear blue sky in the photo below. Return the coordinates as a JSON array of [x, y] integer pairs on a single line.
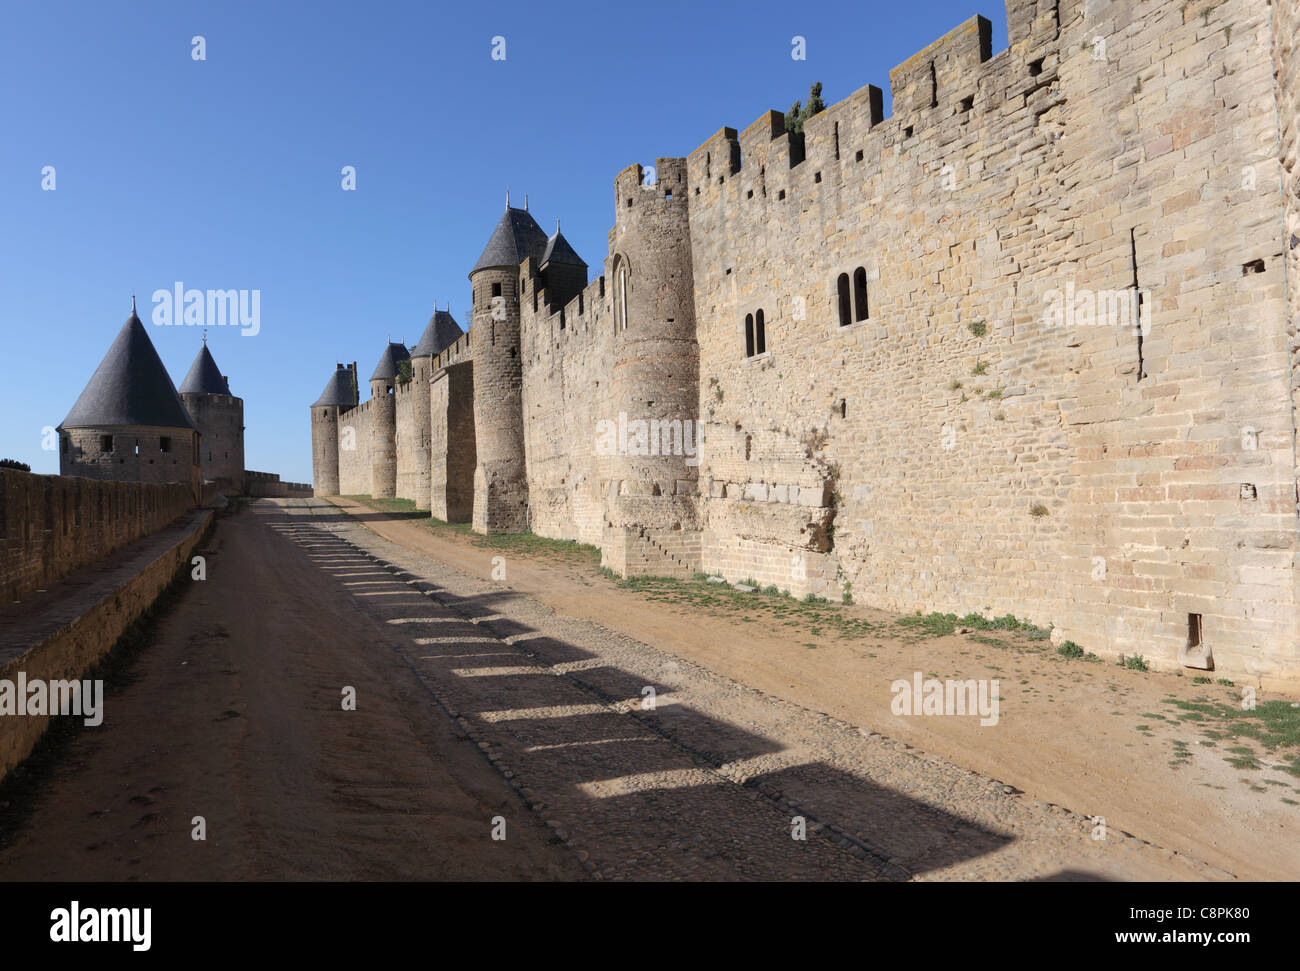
[[225, 173]]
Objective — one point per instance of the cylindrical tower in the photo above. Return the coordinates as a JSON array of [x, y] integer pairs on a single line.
[[440, 334], [651, 498], [500, 480], [338, 394], [383, 421], [219, 416]]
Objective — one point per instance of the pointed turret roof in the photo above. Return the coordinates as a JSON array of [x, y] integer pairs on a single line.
[[390, 361], [339, 390], [441, 333], [204, 376], [130, 386], [558, 250], [516, 238]]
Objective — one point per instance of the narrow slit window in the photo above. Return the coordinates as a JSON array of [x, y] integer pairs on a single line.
[[846, 312], [749, 335], [760, 337], [622, 298], [860, 294]]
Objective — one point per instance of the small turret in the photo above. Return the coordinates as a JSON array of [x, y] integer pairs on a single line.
[[383, 417], [219, 416], [340, 394], [563, 272]]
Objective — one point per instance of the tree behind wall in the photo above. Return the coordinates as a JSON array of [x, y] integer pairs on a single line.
[[799, 112]]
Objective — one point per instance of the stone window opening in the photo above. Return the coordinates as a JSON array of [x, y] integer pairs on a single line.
[[844, 408], [496, 289], [1137, 305], [845, 306], [749, 335], [907, 132], [934, 87], [858, 156], [967, 103], [1254, 266], [137, 446], [760, 336], [63, 443], [1195, 631], [860, 294], [1035, 68], [164, 444], [106, 443], [620, 298], [837, 141]]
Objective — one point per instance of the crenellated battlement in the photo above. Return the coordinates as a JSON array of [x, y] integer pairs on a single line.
[[826, 360], [545, 332], [955, 77]]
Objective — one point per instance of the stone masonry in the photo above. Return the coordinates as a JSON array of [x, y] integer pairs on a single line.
[[1026, 346]]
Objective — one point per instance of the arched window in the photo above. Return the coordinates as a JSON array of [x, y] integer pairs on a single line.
[[846, 312], [760, 338], [620, 297], [860, 294], [749, 335]]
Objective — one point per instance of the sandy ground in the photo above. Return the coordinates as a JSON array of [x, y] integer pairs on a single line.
[[233, 712], [1070, 733]]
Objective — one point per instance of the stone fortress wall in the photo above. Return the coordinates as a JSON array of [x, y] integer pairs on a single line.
[[1026, 346], [53, 525]]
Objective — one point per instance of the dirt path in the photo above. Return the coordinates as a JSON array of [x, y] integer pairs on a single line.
[[234, 713], [1098, 739]]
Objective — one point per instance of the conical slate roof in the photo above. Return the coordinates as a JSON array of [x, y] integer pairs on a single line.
[[558, 250], [130, 387], [204, 376], [441, 333], [389, 362], [516, 238], [339, 390]]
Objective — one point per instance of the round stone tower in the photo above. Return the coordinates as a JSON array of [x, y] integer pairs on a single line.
[[500, 482], [129, 424], [383, 421], [339, 394], [441, 333], [651, 498], [219, 416]]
